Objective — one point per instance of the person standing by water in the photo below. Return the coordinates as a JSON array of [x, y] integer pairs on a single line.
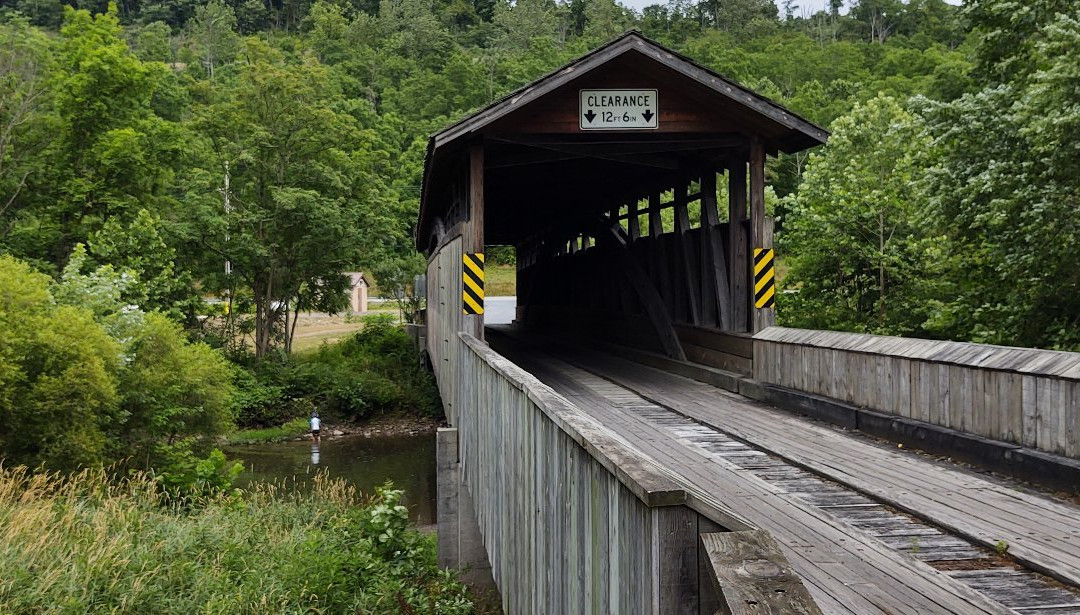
[[315, 425]]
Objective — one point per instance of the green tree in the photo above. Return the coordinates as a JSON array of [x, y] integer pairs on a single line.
[[304, 205], [140, 248], [174, 394], [111, 153], [25, 121], [859, 260], [213, 34], [91, 378], [1003, 183], [151, 43]]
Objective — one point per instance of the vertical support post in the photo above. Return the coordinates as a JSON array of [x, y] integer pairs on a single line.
[[658, 270], [656, 223], [715, 292], [473, 237], [738, 260], [763, 317], [524, 255], [633, 226], [448, 482], [688, 304]]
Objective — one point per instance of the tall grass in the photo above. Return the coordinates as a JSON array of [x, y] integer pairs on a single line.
[[88, 544]]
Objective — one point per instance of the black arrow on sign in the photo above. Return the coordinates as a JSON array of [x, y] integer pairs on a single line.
[[647, 115], [590, 116]]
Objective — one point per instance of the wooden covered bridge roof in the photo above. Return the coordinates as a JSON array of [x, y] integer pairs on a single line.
[[540, 166]]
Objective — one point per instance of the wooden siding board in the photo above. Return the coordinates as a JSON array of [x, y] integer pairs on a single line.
[[1014, 395], [1029, 411], [1072, 448]]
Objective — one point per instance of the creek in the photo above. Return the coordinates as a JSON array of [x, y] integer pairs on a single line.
[[366, 462]]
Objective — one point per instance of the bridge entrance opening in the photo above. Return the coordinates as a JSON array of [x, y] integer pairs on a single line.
[[631, 184]]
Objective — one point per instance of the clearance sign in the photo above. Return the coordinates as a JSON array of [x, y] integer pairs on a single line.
[[618, 110]]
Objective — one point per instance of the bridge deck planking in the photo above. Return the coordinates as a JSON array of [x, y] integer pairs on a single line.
[[882, 582], [846, 570], [1040, 531], [1036, 528]]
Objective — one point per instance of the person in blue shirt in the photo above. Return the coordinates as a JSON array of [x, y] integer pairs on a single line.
[[315, 425]]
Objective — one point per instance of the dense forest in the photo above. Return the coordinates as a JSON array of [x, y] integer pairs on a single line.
[[949, 184], [144, 144]]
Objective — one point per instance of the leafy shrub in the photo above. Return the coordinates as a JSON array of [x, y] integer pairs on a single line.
[[58, 375], [255, 402], [187, 477], [376, 371], [87, 379]]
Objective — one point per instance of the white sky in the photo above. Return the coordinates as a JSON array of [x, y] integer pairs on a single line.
[[807, 6]]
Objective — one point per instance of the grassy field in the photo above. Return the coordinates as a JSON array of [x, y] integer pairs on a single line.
[[500, 281], [85, 544], [314, 329], [295, 427]]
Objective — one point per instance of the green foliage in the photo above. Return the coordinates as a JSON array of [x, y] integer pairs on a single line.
[[213, 34], [26, 61], [186, 477], [85, 545], [296, 427], [859, 259], [58, 375], [140, 249], [395, 277], [90, 379], [1002, 183], [375, 372], [173, 391]]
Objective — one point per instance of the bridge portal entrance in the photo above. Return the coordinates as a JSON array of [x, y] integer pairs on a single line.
[[631, 183]]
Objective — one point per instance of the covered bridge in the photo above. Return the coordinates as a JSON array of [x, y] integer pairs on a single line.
[[593, 482], [602, 175]]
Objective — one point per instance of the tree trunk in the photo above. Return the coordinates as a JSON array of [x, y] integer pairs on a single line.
[[264, 313], [881, 267]]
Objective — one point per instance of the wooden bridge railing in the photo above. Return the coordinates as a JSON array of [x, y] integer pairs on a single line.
[[573, 518], [574, 521], [1026, 397]]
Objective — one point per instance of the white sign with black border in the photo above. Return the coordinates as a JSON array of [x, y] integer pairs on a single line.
[[618, 110]]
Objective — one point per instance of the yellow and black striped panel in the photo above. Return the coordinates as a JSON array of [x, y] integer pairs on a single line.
[[472, 283], [764, 278]]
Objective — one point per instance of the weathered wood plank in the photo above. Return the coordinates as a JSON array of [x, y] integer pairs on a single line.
[[761, 235], [738, 254], [753, 576], [676, 532], [688, 302], [714, 268]]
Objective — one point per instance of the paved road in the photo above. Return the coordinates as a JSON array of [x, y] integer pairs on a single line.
[[499, 310]]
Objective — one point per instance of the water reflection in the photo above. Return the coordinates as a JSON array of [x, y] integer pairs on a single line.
[[409, 461]]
